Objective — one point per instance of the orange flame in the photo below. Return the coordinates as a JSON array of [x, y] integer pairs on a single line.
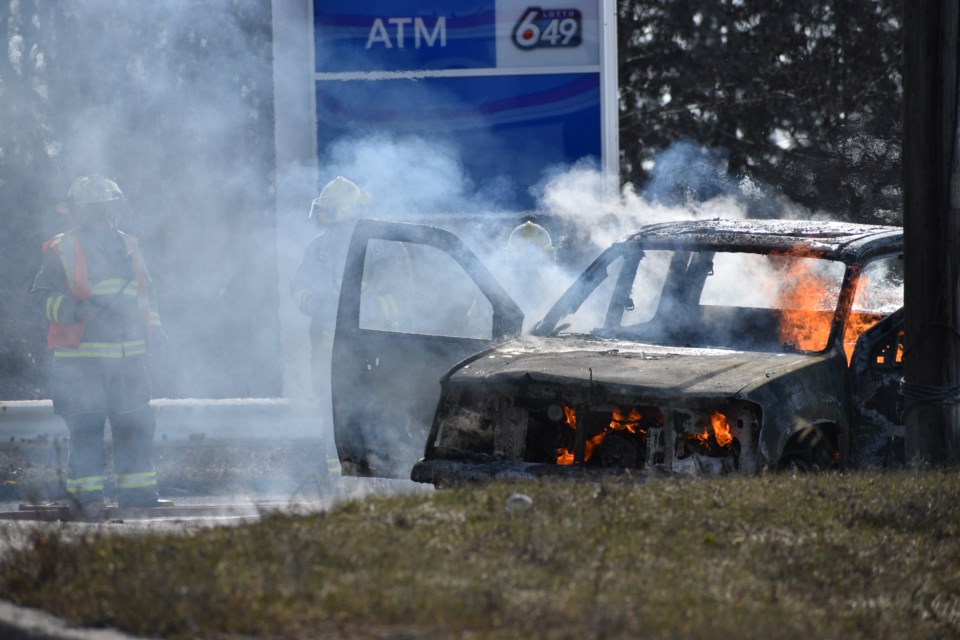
[[721, 429], [898, 356], [619, 421], [872, 299], [721, 432], [630, 422], [565, 456], [593, 443], [571, 416], [804, 323], [857, 323]]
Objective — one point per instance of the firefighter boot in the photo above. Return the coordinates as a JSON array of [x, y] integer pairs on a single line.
[[140, 499]]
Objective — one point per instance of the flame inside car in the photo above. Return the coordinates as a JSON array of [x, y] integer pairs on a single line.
[[619, 421], [807, 299], [628, 426], [718, 433]]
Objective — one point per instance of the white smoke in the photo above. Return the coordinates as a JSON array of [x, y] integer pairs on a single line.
[[687, 182], [409, 175]]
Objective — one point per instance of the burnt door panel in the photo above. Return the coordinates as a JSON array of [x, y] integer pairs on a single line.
[[413, 302], [876, 369]]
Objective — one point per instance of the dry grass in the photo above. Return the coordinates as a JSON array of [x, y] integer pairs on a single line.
[[828, 556]]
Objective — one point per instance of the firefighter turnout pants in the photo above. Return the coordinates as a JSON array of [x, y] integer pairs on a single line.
[[87, 392]]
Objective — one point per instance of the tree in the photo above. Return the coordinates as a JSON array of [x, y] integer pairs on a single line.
[[174, 101], [803, 95], [28, 157]]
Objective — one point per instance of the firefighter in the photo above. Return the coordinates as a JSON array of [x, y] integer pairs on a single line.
[[529, 269], [316, 284], [98, 298], [529, 241], [386, 283]]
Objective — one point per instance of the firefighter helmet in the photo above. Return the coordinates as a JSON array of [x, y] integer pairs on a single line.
[[93, 189], [530, 240], [339, 199]]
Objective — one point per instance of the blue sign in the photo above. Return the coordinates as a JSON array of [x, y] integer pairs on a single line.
[[402, 35], [517, 88], [508, 129]]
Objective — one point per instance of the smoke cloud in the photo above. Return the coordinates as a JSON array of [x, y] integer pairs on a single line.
[[176, 102], [687, 182]]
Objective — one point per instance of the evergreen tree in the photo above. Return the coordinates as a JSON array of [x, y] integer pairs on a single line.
[[803, 95]]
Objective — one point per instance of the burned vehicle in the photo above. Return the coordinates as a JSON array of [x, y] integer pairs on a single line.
[[702, 347]]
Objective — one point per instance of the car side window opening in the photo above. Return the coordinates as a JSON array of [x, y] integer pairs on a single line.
[[774, 300], [593, 310], [420, 289], [707, 298], [647, 288], [879, 292]]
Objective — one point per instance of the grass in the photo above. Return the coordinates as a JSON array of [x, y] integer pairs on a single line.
[[826, 556]]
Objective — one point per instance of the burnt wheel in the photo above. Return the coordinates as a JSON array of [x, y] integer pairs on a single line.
[[812, 448], [619, 451]]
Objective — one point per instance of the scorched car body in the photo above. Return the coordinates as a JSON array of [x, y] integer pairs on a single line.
[[699, 347]]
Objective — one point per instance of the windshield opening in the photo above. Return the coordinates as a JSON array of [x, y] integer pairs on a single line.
[[706, 298]]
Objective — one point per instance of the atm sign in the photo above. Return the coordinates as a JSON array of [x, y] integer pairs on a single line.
[[548, 29]]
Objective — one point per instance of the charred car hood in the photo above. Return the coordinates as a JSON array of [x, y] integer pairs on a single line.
[[655, 370]]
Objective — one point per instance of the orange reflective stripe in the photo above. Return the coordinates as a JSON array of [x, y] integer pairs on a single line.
[[68, 248]]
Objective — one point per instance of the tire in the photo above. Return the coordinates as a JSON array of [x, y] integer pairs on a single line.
[[813, 448]]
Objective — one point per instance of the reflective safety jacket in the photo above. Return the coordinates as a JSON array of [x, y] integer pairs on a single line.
[[107, 271], [315, 287]]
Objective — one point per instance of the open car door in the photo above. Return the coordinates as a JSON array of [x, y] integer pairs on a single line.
[[414, 301]]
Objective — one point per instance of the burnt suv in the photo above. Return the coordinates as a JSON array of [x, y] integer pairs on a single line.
[[703, 347]]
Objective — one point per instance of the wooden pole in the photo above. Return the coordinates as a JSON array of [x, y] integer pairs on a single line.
[[931, 231]]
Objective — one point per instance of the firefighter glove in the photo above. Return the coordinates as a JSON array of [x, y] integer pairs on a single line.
[[87, 310]]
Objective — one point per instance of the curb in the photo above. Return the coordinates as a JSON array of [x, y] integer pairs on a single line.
[[225, 417]]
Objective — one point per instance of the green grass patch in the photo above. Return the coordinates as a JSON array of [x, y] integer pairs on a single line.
[[831, 556]]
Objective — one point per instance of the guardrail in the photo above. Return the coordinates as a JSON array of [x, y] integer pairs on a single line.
[[184, 417]]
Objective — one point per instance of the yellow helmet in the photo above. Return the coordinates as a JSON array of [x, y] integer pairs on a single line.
[[530, 239], [93, 189], [339, 199]]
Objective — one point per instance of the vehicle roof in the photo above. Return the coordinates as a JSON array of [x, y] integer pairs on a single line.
[[829, 239]]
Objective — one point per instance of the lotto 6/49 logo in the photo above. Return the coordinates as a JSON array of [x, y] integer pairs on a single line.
[[548, 28]]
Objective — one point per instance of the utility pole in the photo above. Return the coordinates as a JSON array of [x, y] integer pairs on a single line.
[[931, 188]]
